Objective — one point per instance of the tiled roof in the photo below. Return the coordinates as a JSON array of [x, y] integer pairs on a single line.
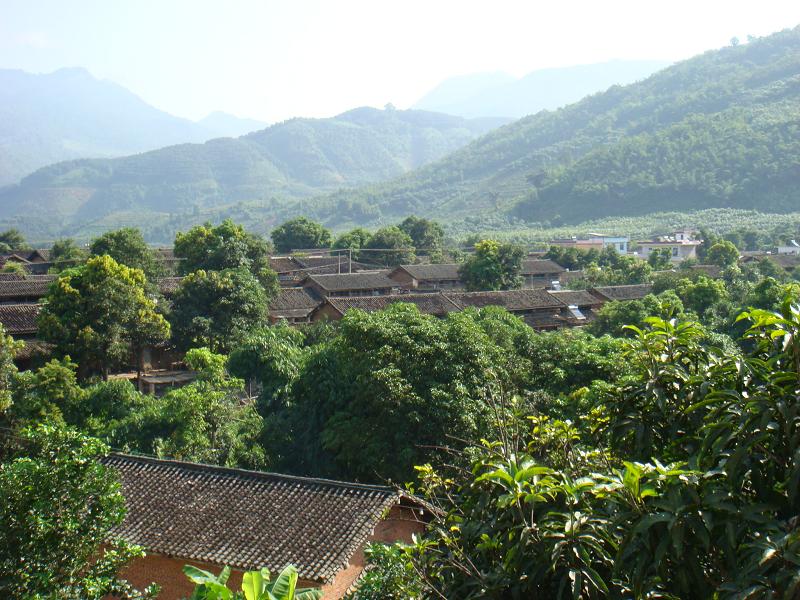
[[33, 348], [32, 286], [284, 264], [624, 292], [432, 271], [713, 271], [293, 302], [169, 285], [429, 304], [512, 300], [19, 319], [787, 261], [540, 267], [353, 281], [576, 297], [246, 519]]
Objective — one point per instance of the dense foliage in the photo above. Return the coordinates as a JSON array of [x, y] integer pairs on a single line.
[[214, 308], [58, 505], [680, 481], [99, 314], [493, 266], [127, 247]]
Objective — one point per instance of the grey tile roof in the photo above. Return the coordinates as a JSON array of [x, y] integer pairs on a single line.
[[432, 272], [429, 304], [623, 292], [293, 303], [543, 266], [32, 286], [246, 519], [353, 281], [512, 300], [576, 297], [169, 285], [19, 319]]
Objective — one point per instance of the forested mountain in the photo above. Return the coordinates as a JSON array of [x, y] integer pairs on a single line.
[[293, 159], [70, 114], [499, 94], [720, 129]]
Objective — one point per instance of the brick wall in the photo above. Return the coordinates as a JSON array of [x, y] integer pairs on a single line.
[[399, 525]]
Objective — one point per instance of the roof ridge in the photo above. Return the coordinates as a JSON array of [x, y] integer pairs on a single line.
[[259, 474]]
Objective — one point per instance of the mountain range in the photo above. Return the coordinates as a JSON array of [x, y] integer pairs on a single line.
[[500, 94], [719, 130], [294, 159], [46, 118]]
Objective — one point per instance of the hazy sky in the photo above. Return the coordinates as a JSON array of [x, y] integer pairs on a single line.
[[273, 60]]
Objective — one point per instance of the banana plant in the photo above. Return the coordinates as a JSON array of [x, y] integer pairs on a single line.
[[256, 585]]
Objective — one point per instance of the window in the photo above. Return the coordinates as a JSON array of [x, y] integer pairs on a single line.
[[675, 251]]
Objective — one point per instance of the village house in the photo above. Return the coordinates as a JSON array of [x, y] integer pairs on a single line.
[[622, 292], [372, 283], [436, 304], [581, 306], [36, 262], [18, 289], [430, 277], [19, 321], [541, 273], [681, 245], [596, 241], [211, 517], [537, 307], [292, 270], [294, 305]]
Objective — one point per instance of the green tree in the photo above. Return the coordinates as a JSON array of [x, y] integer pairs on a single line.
[[299, 234], [723, 254], [58, 507], [614, 317], [127, 247], [660, 259], [8, 371], [216, 308], [11, 240], [389, 246], [702, 294], [99, 315], [426, 236], [226, 246], [339, 407], [493, 266], [65, 253], [354, 240]]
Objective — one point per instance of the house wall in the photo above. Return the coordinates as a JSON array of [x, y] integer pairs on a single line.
[[403, 279], [399, 525], [326, 311]]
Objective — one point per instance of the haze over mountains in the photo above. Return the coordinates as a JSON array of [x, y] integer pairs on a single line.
[[295, 159], [501, 95], [71, 114], [719, 130]]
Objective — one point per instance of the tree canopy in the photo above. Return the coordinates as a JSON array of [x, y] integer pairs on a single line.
[[99, 314], [299, 234], [493, 266]]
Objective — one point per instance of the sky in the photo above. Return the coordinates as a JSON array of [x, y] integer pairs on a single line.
[[272, 60]]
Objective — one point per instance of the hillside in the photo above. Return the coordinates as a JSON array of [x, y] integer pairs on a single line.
[[718, 130], [70, 114], [294, 159], [499, 94]]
